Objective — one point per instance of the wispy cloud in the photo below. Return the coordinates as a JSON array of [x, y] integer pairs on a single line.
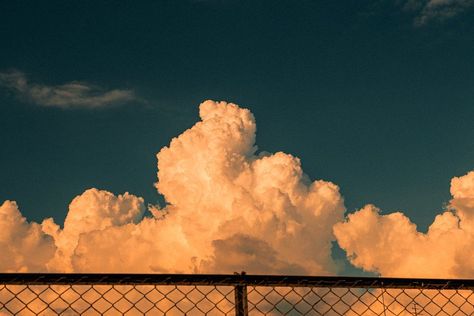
[[69, 95], [436, 10]]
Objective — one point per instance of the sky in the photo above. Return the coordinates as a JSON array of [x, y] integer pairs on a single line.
[[373, 96]]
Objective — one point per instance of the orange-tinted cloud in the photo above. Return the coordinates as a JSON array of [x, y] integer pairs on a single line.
[[94, 210], [23, 246], [228, 209], [219, 189], [392, 246]]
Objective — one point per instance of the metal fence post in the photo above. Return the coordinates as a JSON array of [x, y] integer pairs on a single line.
[[241, 303]]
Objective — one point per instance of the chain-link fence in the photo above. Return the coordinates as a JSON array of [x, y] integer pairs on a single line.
[[239, 294]]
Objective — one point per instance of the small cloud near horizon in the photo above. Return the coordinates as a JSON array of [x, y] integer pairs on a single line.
[[74, 94]]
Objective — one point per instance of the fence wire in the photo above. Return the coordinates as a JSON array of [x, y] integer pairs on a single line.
[[240, 294]]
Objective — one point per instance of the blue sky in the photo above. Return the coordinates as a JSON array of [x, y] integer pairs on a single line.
[[375, 96]]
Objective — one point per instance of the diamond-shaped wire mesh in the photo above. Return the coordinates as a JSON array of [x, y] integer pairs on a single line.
[[116, 300], [63, 294], [358, 301]]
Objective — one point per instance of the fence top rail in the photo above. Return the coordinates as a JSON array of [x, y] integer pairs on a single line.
[[231, 280]]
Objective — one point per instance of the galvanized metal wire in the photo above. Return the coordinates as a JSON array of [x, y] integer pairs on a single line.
[[240, 294]]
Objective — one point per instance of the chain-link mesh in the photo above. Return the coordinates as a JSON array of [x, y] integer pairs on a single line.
[[140, 294]]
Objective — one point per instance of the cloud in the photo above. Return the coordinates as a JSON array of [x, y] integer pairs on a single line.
[[436, 10], [228, 209], [392, 246], [91, 211], [218, 190], [242, 251], [70, 95], [24, 247]]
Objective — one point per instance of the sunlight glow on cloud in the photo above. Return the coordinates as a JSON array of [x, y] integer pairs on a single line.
[[93, 210], [69, 95], [23, 246], [229, 209], [392, 246]]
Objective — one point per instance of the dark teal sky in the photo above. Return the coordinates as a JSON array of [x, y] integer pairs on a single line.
[[367, 97]]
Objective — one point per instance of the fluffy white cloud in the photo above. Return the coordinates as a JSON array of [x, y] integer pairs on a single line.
[[69, 95], [392, 246]]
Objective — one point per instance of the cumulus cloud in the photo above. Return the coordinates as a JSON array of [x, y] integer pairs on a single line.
[[392, 246], [91, 211], [228, 209], [69, 95], [252, 254], [436, 10], [220, 195], [24, 247]]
